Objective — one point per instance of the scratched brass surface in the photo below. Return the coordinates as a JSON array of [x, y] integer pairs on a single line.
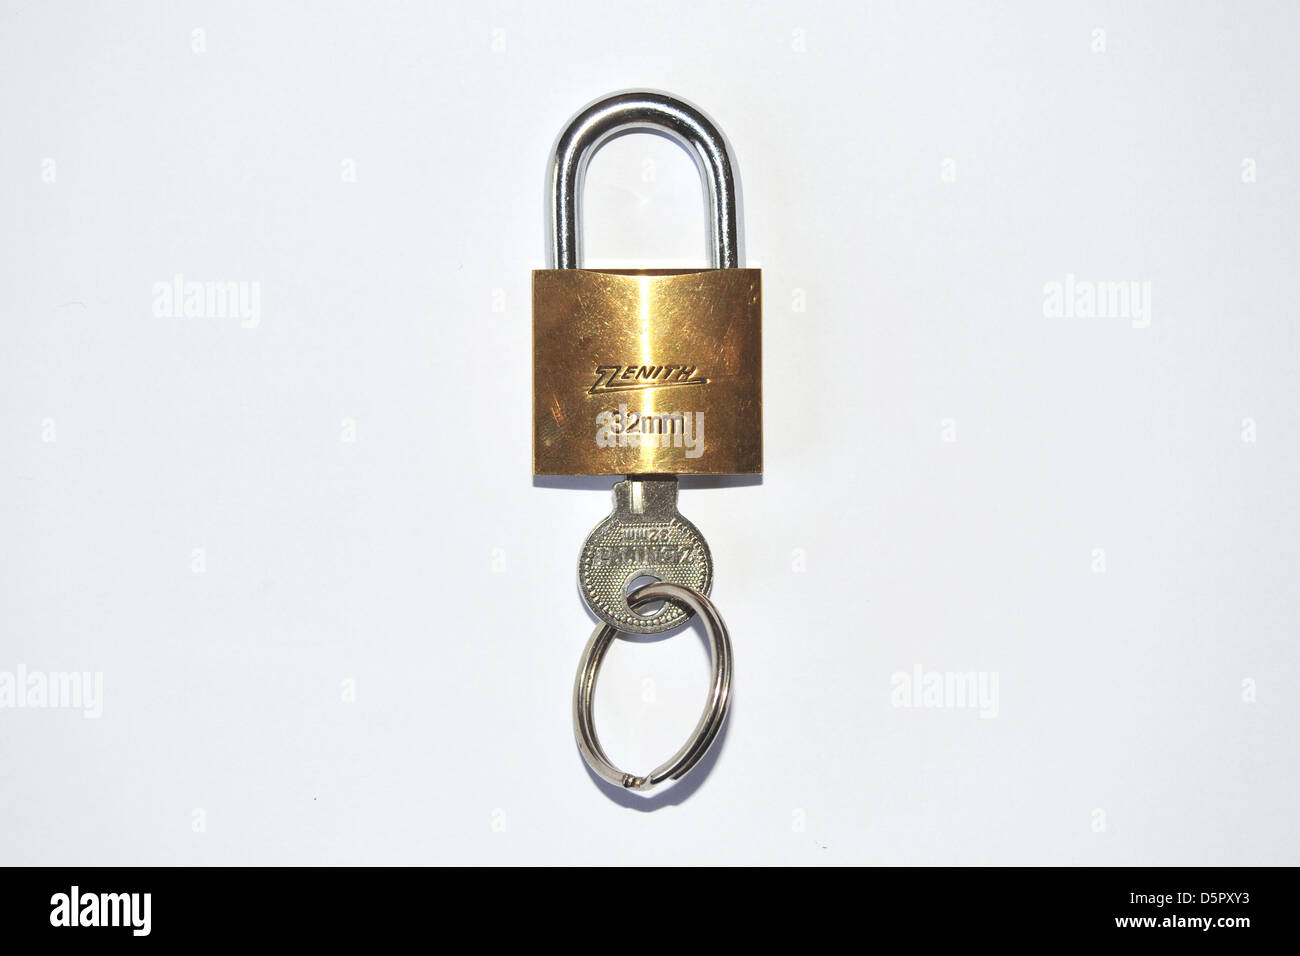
[[651, 371]]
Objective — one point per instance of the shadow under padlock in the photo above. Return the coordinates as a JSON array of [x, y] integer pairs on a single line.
[[650, 374]]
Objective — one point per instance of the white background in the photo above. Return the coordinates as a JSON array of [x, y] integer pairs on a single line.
[[913, 176]]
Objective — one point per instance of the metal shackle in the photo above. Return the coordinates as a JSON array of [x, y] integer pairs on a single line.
[[657, 112]]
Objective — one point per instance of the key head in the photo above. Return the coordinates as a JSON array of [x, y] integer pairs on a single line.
[[643, 537]]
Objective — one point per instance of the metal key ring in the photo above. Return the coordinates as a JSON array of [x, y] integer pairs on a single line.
[[715, 711]]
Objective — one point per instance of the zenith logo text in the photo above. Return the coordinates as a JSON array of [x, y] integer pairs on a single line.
[[631, 378]]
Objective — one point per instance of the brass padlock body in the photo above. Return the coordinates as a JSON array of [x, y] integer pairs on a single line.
[[652, 371]]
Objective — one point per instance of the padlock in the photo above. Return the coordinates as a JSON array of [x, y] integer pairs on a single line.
[[646, 371]]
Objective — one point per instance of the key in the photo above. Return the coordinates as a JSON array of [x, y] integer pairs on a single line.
[[643, 537]]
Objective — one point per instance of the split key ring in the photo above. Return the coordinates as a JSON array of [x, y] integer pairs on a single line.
[[715, 710]]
